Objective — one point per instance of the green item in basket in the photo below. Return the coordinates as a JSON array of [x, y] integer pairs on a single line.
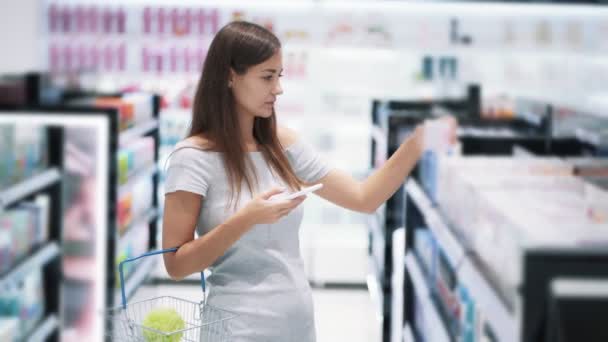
[[165, 320]]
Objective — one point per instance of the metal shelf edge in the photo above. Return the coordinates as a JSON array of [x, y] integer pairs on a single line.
[[28, 187], [423, 293], [441, 231], [127, 136], [45, 329], [39, 258]]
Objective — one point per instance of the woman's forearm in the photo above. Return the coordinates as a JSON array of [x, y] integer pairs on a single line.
[[385, 181], [200, 253]]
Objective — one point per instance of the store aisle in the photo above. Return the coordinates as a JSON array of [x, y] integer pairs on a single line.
[[341, 314]]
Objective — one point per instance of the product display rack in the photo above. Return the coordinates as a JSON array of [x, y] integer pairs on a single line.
[[118, 139], [531, 130], [392, 121], [48, 255], [526, 315], [74, 104], [522, 320]]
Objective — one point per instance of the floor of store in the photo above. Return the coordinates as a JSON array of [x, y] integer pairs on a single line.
[[341, 314]]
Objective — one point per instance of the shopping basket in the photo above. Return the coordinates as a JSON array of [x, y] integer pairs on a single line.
[[202, 322]]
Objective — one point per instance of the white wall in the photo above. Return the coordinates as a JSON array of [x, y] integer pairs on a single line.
[[19, 33]]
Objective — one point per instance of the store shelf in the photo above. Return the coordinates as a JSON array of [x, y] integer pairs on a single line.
[[501, 321], [375, 290], [407, 334], [39, 258], [433, 318], [131, 134], [374, 226], [148, 217], [529, 117], [499, 317], [45, 329], [444, 235], [133, 282], [147, 171], [589, 137], [28, 187]]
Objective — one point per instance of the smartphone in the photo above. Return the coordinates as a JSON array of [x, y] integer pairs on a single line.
[[304, 191]]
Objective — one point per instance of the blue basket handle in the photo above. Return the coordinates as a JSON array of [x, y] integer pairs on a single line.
[[122, 278]]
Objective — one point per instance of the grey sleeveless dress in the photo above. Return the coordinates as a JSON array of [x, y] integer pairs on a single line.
[[261, 277]]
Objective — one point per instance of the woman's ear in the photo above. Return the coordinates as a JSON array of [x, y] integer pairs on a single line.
[[231, 78]]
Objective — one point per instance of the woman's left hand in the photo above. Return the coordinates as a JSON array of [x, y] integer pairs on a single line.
[[437, 133]]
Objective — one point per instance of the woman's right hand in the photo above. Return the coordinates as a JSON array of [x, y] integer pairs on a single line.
[[261, 210]]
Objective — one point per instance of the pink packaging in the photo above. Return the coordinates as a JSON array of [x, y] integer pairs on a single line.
[[80, 16], [65, 19], [147, 20], [67, 56], [92, 19], [53, 18], [54, 58], [107, 19], [160, 21], [122, 57], [122, 20]]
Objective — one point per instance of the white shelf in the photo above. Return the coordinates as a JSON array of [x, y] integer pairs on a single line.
[[45, 329], [444, 235], [145, 172], [143, 269], [375, 290], [530, 117], [28, 187], [421, 289], [588, 136], [131, 134], [374, 226], [408, 336], [498, 317], [40, 258]]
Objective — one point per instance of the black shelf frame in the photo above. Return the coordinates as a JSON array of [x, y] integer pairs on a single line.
[[36, 98]]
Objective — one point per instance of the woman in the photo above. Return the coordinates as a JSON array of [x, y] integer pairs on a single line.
[[220, 178]]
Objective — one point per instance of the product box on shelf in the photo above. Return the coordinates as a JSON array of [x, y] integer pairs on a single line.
[[134, 203], [444, 289], [133, 108], [32, 309], [8, 329], [135, 157], [132, 244], [24, 301], [21, 229], [425, 248], [21, 154]]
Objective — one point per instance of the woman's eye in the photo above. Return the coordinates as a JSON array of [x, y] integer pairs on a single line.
[[268, 78]]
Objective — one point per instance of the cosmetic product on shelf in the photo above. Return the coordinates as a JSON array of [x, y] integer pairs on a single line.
[[8, 329], [24, 300], [21, 157], [135, 157], [134, 203], [21, 229]]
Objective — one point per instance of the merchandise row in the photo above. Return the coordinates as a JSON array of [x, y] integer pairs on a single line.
[[22, 152], [367, 24]]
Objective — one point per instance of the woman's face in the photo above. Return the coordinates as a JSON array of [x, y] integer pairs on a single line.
[[256, 91]]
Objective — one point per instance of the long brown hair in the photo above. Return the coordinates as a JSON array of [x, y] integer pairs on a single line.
[[237, 46]]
